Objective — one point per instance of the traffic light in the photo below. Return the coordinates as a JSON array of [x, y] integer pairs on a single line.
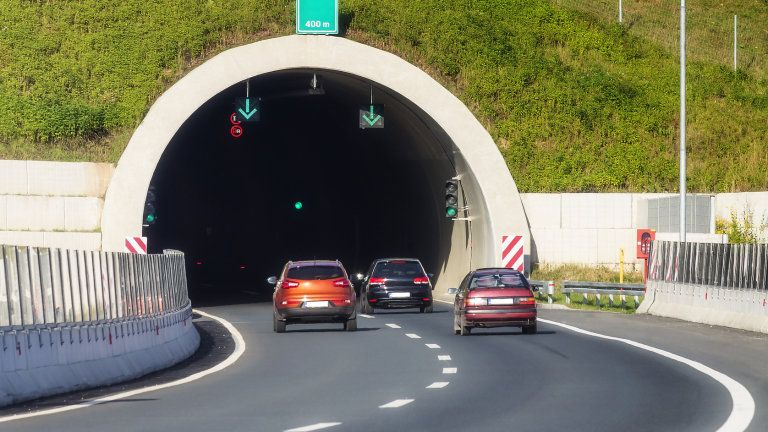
[[150, 213], [451, 199]]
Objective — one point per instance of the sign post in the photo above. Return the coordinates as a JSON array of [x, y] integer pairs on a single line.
[[317, 16]]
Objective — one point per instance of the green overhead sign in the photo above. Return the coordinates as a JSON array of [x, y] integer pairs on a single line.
[[317, 16], [371, 118]]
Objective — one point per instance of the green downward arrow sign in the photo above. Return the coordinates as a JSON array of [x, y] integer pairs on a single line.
[[371, 120], [248, 113]]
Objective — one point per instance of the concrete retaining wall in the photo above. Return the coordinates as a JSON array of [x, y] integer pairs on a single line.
[[53, 204], [41, 362], [731, 307]]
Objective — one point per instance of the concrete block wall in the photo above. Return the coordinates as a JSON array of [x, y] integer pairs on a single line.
[[44, 361], [53, 204], [591, 228]]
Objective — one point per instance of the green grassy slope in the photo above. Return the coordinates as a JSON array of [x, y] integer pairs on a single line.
[[574, 101]]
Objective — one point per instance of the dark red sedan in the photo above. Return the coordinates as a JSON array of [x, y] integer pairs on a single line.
[[494, 297]]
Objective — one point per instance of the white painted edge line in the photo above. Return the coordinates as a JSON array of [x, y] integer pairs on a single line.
[[229, 361], [743, 405], [413, 335], [314, 427], [397, 403], [444, 358], [437, 385], [393, 326], [433, 346], [364, 316], [450, 370], [442, 301]]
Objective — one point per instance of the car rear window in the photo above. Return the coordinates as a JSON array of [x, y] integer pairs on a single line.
[[315, 272], [398, 268], [498, 280]]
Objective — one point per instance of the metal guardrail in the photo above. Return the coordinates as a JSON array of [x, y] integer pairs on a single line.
[[604, 288], [43, 288], [739, 266]]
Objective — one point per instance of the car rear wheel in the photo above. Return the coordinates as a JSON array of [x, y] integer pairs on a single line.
[[531, 329], [427, 309], [465, 329], [350, 325], [277, 325], [456, 325]]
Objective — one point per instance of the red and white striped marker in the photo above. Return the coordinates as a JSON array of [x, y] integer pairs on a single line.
[[136, 245], [512, 252]]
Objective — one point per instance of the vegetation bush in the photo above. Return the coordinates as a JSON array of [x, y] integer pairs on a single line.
[[575, 103]]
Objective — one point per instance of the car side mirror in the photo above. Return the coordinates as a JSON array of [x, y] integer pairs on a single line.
[[272, 280], [453, 291], [535, 288]]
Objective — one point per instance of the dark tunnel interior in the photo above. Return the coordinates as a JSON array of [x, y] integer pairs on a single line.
[[230, 204]]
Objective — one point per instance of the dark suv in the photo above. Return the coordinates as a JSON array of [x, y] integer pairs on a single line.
[[396, 283]]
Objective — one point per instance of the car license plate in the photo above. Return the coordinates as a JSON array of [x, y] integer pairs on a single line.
[[501, 301], [316, 304], [399, 295]]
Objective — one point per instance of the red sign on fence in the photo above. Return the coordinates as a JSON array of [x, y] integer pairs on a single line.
[[136, 245], [512, 252]]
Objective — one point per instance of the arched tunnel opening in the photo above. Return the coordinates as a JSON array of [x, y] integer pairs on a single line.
[[304, 182]]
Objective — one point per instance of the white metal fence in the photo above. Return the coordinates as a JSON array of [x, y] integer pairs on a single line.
[[743, 266], [42, 287]]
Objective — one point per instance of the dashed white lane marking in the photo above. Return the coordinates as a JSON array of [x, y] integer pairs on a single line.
[[413, 335], [433, 346], [437, 385], [229, 361], [450, 370], [444, 357], [397, 403], [314, 427], [366, 316], [743, 409], [393, 326]]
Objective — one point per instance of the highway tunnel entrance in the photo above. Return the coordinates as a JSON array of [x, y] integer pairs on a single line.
[[304, 182], [231, 203]]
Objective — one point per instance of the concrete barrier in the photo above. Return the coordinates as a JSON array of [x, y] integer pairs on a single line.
[[729, 307], [74, 319]]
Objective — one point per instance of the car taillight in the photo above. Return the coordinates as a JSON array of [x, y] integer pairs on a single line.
[[477, 301], [377, 281], [289, 284], [421, 280], [341, 283], [526, 300]]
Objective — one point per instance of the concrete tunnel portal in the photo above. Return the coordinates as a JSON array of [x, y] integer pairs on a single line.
[[230, 203]]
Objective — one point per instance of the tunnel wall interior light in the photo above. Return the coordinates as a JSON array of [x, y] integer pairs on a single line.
[[451, 199]]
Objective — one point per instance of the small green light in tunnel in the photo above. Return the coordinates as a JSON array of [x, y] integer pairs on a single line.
[[450, 212], [150, 218], [298, 205]]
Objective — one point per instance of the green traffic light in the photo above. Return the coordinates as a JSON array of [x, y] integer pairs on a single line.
[[150, 218], [450, 211], [298, 205]]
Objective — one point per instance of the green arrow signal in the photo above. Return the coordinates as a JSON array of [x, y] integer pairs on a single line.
[[371, 120], [248, 113]]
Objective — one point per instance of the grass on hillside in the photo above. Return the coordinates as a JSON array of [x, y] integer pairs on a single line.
[[575, 103]]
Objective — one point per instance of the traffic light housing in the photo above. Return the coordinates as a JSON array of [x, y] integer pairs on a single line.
[[452, 199], [150, 212]]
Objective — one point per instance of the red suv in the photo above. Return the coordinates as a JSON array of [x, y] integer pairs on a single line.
[[494, 297], [313, 291]]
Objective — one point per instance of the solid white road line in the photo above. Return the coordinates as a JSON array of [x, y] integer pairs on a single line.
[[444, 357], [397, 403], [229, 361], [413, 335], [366, 316], [393, 326], [314, 427], [450, 370], [437, 385], [743, 405], [433, 346]]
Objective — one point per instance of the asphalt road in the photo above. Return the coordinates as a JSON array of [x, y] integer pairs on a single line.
[[502, 381]]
